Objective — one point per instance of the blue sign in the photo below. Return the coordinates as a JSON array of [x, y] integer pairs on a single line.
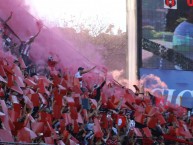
[[179, 84]]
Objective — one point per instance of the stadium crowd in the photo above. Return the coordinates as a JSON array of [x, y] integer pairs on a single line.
[[57, 107]]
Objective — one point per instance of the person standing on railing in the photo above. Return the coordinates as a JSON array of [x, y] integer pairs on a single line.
[[79, 74], [25, 47]]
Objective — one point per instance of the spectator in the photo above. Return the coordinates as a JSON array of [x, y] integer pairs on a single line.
[[25, 47], [79, 74], [96, 93]]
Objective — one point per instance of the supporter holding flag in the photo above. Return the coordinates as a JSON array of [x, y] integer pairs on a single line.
[[79, 74], [25, 47], [96, 93]]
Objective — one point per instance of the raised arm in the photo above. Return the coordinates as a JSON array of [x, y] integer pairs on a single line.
[[86, 71]]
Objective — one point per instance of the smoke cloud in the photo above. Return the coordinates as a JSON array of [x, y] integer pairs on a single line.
[[50, 41]]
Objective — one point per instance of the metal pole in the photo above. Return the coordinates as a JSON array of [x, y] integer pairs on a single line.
[[132, 54]]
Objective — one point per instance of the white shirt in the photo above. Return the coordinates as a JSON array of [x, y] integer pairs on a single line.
[[79, 77]]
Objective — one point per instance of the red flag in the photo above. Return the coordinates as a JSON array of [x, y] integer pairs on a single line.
[[22, 63], [26, 135], [38, 127], [57, 111], [19, 81], [17, 71], [28, 102], [6, 136], [94, 103], [35, 99], [97, 129], [10, 81], [67, 118], [152, 122], [2, 79], [49, 140], [2, 71], [129, 98], [8, 69], [76, 127], [70, 101], [137, 132], [17, 89], [73, 113], [80, 120], [147, 132], [161, 119], [139, 117], [30, 82]]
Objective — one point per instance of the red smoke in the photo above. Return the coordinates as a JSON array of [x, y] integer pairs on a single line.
[[50, 41]]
